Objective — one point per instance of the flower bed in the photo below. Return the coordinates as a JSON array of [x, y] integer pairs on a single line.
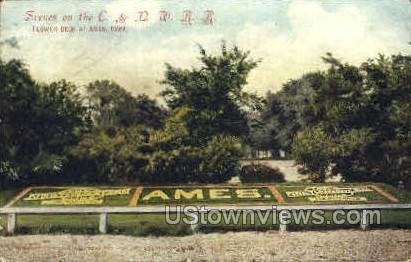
[[246, 194]]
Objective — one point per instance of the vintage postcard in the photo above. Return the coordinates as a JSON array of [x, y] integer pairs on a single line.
[[188, 130]]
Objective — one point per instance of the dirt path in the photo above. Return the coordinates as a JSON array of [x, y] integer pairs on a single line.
[[341, 245]]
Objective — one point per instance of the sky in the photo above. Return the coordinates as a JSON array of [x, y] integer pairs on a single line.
[[288, 36]]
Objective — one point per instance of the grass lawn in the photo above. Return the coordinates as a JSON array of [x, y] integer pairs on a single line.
[[154, 224], [7, 194], [138, 225]]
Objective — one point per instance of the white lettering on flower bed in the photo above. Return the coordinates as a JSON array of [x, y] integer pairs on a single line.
[[76, 196], [330, 193]]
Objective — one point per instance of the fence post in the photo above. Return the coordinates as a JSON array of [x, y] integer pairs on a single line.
[[11, 223], [103, 223], [195, 226], [282, 221], [365, 223]]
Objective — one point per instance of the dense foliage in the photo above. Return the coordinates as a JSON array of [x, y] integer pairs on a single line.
[[38, 124], [214, 92], [109, 156], [178, 157], [349, 120], [283, 115], [362, 117], [51, 134], [113, 106]]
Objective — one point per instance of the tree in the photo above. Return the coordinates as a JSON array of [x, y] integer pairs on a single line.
[[38, 123], [314, 149], [364, 114], [107, 156], [176, 158], [61, 114], [18, 97], [284, 114], [220, 159], [113, 106], [214, 92]]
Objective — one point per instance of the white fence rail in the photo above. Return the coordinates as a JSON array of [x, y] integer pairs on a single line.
[[12, 212]]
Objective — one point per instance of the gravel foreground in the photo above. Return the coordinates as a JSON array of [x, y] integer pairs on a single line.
[[339, 245]]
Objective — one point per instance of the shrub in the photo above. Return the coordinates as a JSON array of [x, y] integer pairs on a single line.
[[108, 156], [314, 150], [220, 159], [8, 174], [260, 173], [216, 162], [176, 166]]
